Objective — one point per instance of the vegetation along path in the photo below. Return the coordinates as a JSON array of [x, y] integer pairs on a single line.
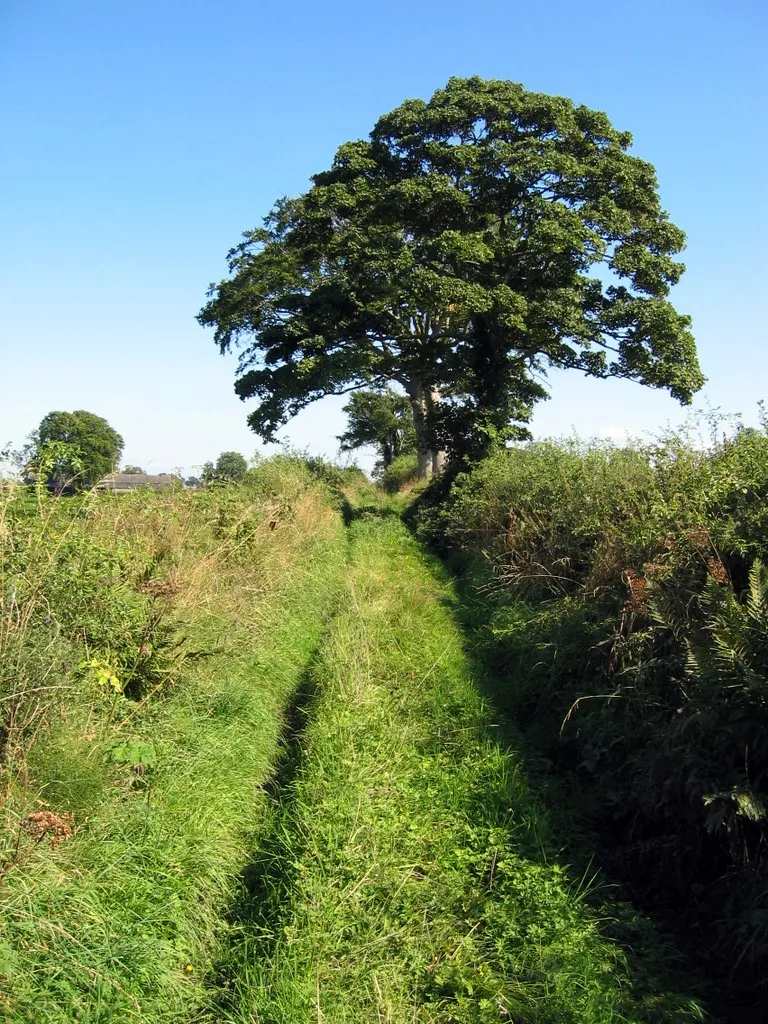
[[311, 816], [405, 872]]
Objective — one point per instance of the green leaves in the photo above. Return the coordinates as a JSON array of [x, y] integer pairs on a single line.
[[382, 419], [75, 449], [230, 466], [134, 752], [488, 212]]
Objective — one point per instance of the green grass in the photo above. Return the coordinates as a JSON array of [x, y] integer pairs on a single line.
[[120, 922], [316, 819], [404, 872], [619, 597]]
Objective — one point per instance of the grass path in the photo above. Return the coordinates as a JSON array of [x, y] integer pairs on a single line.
[[404, 873]]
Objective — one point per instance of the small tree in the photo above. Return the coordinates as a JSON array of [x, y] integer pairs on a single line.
[[86, 449], [132, 470], [230, 466], [382, 419]]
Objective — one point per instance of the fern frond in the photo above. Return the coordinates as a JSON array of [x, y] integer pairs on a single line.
[[757, 596]]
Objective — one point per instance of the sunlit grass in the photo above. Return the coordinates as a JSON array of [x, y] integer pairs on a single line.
[[410, 875], [309, 815]]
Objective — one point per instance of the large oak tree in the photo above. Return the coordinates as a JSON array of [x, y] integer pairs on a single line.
[[469, 244]]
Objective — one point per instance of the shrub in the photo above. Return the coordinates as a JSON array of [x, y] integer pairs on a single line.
[[399, 473], [94, 590], [626, 601]]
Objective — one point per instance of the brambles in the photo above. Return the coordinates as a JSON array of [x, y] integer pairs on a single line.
[[625, 597]]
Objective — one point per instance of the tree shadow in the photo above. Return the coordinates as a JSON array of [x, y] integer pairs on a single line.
[[265, 883], [610, 840], [354, 513]]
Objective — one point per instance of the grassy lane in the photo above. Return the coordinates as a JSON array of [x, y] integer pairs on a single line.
[[119, 923], [410, 876]]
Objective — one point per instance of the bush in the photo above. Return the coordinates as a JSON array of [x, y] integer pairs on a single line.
[[553, 518], [399, 473], [627, 609], [93, 591]]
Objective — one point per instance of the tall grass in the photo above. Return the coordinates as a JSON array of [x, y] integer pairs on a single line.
[[401, 472], [149, 647]]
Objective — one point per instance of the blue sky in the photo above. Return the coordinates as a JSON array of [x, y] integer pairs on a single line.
[[141, 137]]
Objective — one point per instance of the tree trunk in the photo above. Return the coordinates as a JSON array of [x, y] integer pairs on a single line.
[[438, 462], [423, 402], [418, 396], [439, 457]]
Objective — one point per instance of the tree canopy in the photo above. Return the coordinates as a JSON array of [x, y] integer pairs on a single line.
[[382, 419], [82, 448], [230, 466], [470, 243], [132, 469]]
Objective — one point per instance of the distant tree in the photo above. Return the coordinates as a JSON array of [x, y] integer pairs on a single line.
[[192, 481], [132, 469], [472, 242], [231, 466], [85, 449], [383, 419]]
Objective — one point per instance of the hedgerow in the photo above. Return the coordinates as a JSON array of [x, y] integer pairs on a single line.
[[624, 601]]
